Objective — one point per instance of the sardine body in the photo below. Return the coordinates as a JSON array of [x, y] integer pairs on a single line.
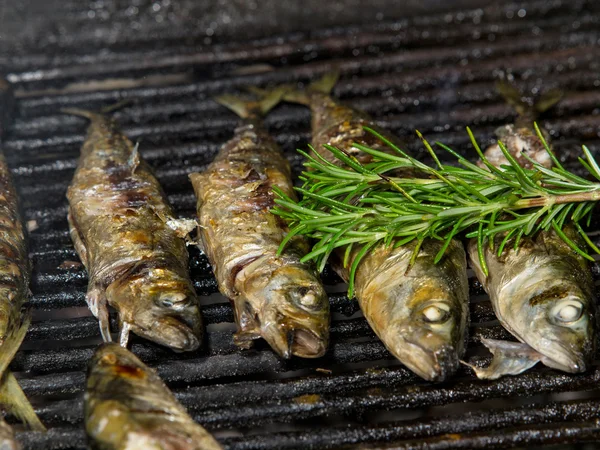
[[15, 270], [419, 312], [121, 224], [542, 292], [128, 407], [275, 297]]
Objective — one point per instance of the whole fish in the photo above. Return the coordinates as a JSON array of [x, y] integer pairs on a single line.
[[15, 270], [420, 312], [128, 407], [132, 246], [542, 292], [274, 296]]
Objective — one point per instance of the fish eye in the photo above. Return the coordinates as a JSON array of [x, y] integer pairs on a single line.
[[170, 300], [437, 313], [568, 311], [306, 296]]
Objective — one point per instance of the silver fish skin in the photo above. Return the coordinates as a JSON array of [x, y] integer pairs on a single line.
[[130, 242], [275, 296], [420, 313], [128, 407], [542, 292]]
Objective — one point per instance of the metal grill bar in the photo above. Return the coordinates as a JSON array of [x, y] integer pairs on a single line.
[[434, 72]]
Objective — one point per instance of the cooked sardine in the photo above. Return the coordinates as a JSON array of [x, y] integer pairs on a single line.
[[420, 312], [130, 242], [128, 407], [274, 296], [15, 271], [543, 291]]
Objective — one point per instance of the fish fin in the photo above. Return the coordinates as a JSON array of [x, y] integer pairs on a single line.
[[98, 304], [14, 399], [13, 340], [134, 159], [548, 99], [124, 335], [243, 107], [245, 339], [524, 108], [80, 247], [510, 358], [323, 85]]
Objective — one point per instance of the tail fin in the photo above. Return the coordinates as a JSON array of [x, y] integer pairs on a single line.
[[523, 107], [11, 344], [12, 396], [243, 107], [91, 115], [324, 85]]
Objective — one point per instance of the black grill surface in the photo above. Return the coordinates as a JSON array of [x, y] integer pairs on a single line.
[[410, 66]]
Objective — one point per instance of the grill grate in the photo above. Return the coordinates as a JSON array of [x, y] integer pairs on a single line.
[[433, 70]]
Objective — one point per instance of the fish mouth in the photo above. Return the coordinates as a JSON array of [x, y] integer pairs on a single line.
[[431, 364], [558, 356], [296, 341], [171, 332]]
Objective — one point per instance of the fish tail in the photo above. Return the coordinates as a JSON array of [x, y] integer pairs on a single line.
[[324, 85], [92, 115], [11, 394], [15, 335], [524, 108], [13, 398], [265, 101]]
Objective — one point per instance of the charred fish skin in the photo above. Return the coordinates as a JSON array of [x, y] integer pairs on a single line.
[[123, 230], [15, 267], [275, 296], [127, 406], [420, 312], [542, 292], [336, 124]]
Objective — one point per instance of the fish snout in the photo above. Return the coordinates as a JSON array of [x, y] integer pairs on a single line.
[[288, 338], [561, 356], [180, 333], [428, 354]]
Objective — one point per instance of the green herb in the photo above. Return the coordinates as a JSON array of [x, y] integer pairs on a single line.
[[366, 205]]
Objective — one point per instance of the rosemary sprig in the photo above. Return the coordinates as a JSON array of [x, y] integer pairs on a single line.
[[366, 205]]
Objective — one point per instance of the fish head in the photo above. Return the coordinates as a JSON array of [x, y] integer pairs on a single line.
[[429, 335], [292, 310], [161, 306], [421, 313], [556, 318]]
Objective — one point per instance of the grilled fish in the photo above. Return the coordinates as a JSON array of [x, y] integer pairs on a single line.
[[15, 272], [419, 312], [542, 292], [130, 243], [128, 407], [275, 297]]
